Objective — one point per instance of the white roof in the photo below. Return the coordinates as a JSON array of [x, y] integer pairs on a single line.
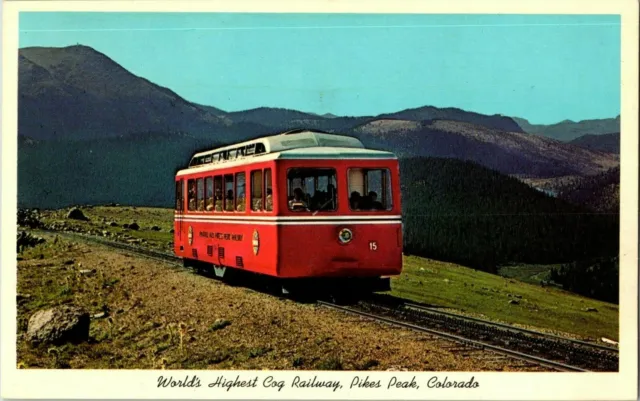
[[304, 144], [334, 153], [293, 140]]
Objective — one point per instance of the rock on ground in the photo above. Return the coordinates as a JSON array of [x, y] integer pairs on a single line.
[[76, 214], [59, 325]]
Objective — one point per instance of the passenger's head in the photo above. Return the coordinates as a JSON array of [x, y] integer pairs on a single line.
[[298, 194], [355, 195], [230, 194], [373, 195]]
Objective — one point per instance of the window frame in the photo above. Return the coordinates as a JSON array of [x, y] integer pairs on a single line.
[[179, 196], [236, 192], [200, 180], [208, 179], [224, 192], [261, 198], [385, 188], [189, 185], [266, 188], [219, 179], [315, 180]]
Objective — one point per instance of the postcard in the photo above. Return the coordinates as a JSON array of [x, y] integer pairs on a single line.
[[319, 200]]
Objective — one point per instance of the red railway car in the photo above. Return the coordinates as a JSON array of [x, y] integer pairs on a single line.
[[305, 207]]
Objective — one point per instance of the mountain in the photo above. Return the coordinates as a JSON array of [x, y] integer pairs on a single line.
[[513, 153], [284, 119], [600, 193], [271, 116], [497, 122], [568, 130], [78, 93], [604, 142]]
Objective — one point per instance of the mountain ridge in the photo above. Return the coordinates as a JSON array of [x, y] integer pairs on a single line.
[[76, 93], [568, 130]]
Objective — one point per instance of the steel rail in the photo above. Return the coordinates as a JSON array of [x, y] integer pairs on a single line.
[[515, 354], [510, 327]]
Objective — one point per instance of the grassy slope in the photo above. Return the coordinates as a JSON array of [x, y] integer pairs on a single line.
[[425, 280], [145, 217], [480, 293]]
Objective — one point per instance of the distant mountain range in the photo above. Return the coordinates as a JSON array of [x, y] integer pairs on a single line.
[[514, 153], [78, 94], [568, 130]]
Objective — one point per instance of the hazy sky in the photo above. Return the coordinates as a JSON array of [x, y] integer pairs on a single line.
[[543, 68]]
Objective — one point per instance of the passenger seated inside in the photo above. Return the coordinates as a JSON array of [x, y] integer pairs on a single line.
[[256, 204], [240, 207], [192, 198], [298, 201], [269, 201], [365, 202], [228, 206], [218, 202], [354, 200], [375, 204]]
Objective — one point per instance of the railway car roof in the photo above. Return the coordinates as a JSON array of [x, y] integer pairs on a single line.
[[297, 144], [310, 153]]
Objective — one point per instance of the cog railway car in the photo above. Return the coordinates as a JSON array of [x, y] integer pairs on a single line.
[[310, 209]]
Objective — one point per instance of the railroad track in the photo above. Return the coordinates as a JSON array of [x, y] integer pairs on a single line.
[[532, 347], [549, 350]]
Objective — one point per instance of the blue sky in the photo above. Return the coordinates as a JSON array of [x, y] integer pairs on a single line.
[[545, 68]]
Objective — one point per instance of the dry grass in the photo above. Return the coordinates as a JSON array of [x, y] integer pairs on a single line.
[[165, 318]]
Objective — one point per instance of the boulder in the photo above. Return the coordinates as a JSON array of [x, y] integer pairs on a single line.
[[113, 224], [76, 214], [134, 226], [155, 228], [59, 325]]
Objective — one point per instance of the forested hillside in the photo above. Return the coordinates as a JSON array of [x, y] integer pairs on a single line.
[[137, 171], [462, 212]]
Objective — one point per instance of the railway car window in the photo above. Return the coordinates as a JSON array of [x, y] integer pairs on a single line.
[[217, 189], [200, 194], [268, 204], [256, 191], [228, 190], [208, 189], [240, 192], [312, 189], [179, 204], [191, 194], [369, 189]]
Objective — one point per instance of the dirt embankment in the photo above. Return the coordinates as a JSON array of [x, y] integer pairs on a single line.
[[147, 314]]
